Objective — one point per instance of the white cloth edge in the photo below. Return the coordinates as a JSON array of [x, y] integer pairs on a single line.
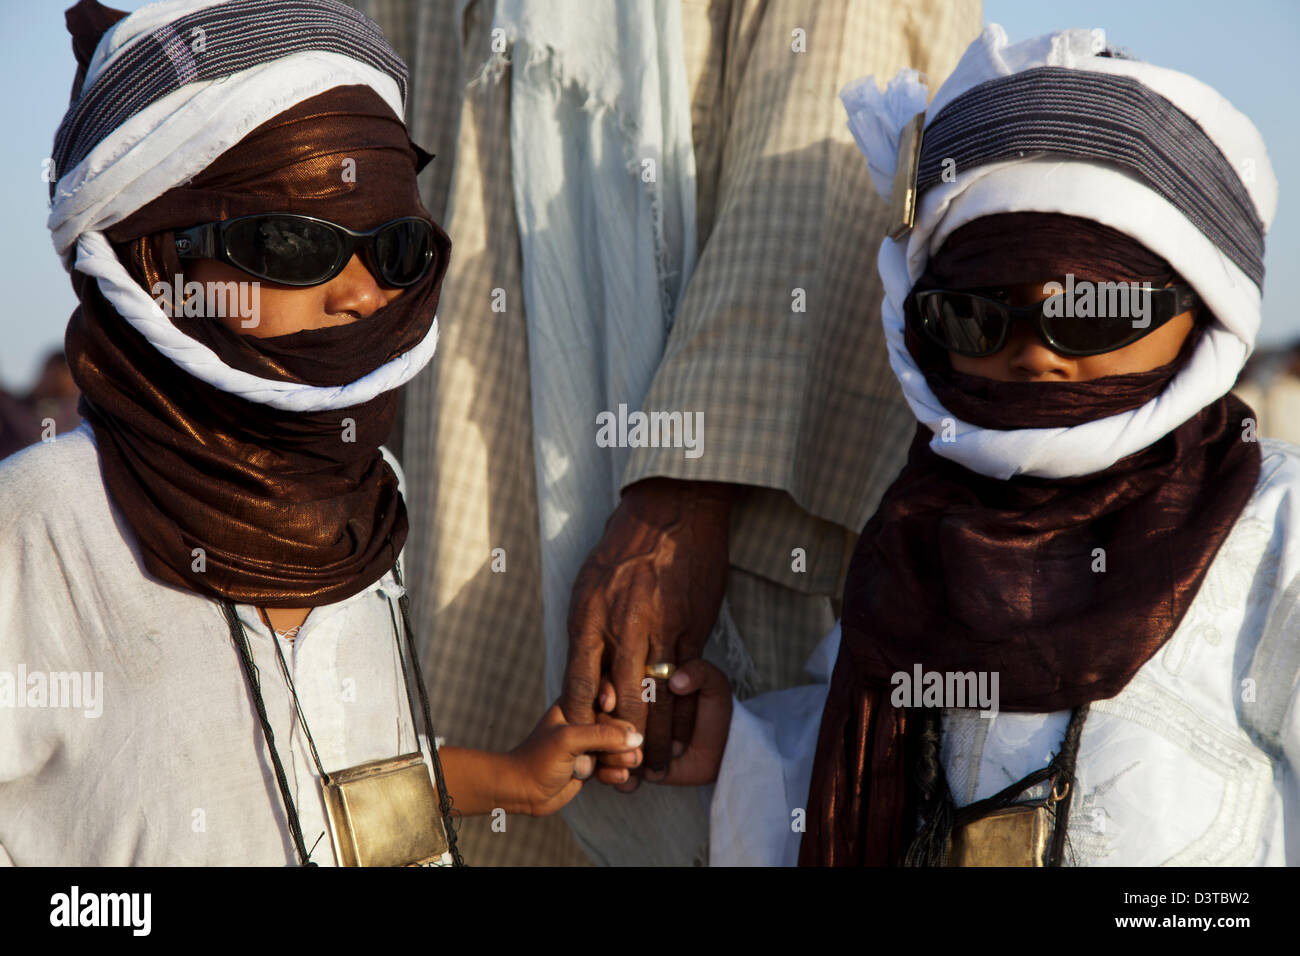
[[95, 257]]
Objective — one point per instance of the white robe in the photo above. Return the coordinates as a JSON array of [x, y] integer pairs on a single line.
[[1193, 763], [166, 764]]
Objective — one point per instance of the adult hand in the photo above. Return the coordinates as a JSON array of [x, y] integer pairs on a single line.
[[648, 593], [700, 761]]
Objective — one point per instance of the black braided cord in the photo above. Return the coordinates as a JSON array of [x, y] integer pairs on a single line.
[[933, 842], [251, 675], [445, 803], [444, 798]]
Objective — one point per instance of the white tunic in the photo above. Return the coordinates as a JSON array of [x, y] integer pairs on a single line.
[[154, 755], [1193, 763]]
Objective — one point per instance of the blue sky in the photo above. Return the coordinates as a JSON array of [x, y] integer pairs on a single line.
[[1249, 50]]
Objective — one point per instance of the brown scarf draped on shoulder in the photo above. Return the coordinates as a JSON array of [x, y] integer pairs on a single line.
[[959, 572], [286, 512]]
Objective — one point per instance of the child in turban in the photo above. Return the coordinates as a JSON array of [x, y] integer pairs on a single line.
[[1077, 606], [235, 198]]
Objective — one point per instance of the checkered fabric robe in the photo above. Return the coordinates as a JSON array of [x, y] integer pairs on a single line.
[[778, 342]]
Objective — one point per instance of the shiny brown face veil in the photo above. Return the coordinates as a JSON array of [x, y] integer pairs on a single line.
[[234, 498], [341, 156]]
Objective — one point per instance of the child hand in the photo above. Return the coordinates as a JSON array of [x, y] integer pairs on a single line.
[[699, 762], [547, 769]]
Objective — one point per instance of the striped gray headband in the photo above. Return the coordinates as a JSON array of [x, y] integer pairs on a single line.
[[235, 36], [1101, 116]]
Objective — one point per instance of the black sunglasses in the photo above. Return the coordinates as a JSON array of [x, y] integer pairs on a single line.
[[976, 325], [289, 249]]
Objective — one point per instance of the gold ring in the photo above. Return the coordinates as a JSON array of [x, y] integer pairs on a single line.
[[661, 671]]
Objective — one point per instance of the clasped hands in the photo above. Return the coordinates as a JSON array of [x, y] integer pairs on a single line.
[[647, 596]]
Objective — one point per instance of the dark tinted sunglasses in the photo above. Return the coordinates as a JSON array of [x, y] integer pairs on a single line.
[[289, 249], [976, 325]]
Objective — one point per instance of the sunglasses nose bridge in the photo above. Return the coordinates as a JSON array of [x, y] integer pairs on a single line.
[[365, 252], [1015, 320], [367, 246], [1037, 322], [1011, 321], [1032, 348], [363, 247]]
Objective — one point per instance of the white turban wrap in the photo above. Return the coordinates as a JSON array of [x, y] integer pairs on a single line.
[[170, 141], [1102, 192]]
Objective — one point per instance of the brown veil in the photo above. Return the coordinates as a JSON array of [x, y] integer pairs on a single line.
[[234, 498]]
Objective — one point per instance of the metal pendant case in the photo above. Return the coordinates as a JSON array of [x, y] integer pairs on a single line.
[[385, 813], [1012, 836]]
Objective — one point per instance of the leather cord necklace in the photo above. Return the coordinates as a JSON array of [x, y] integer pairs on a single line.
[[251, 674], [932, 844]]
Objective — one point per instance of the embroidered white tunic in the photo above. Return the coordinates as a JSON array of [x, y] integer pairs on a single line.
[[154, 754], [1193, 763]]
